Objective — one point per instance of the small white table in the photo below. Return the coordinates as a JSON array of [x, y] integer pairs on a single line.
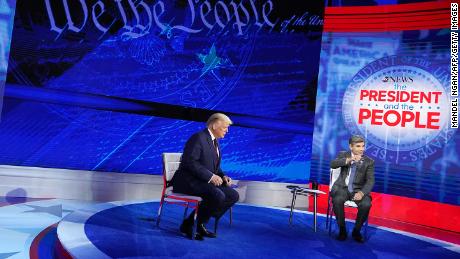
[[296, 190]]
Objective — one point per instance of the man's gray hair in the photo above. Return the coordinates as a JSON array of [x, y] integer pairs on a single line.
[[218, 116], [356, 139]]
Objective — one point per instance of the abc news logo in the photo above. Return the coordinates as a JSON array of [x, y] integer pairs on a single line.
[[398, 79]]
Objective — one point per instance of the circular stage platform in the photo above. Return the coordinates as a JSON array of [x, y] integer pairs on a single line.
[[128, 231]]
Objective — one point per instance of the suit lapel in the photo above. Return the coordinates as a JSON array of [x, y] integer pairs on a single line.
[[360, 172]]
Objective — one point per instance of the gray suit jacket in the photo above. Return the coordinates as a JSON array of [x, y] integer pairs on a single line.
[[364, 178]]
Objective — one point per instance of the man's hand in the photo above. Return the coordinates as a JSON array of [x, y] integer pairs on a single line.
[[358, 196], [356, 158], [216, 180], [348, 160], [228, 180]]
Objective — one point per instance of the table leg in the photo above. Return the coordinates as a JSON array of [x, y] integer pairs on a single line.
[[314, 201], [294, 194]]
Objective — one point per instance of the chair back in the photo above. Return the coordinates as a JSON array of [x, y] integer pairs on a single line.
[[171, 162], [333, 176]]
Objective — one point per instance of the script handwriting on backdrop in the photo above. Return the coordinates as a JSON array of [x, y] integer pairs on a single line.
[[202, 16]]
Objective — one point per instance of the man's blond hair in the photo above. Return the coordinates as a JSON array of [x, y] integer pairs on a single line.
[[218, 117]]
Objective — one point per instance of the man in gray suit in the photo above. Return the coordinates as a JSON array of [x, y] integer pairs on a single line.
[[355, 183]]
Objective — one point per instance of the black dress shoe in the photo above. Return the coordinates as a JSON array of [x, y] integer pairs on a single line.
[[357, 236], [204, 232], [342, 234], [187, 230], [199, 237]]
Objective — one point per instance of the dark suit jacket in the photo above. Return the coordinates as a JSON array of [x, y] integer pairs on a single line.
[[364, 178], [199, 162]]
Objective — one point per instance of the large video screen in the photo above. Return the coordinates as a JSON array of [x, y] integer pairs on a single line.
[[393, 88], [256, 59]]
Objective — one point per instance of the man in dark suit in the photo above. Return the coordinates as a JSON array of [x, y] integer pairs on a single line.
[[200, 174], [355, 183]]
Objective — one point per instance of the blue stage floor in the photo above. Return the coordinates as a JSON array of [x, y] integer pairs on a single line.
[[257, 232], [29, 229]]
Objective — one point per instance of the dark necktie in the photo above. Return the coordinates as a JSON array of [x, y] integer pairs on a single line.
[[215, 146], [352, 177], [217, 153]]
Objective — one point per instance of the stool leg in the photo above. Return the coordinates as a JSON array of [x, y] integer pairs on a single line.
[[316, 209], [294, 194]]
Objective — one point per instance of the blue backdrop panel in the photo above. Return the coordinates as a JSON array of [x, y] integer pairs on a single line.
[[258, 59]]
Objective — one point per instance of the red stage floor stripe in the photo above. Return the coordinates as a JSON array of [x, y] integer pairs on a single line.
[[60, 252], [34, 251]]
